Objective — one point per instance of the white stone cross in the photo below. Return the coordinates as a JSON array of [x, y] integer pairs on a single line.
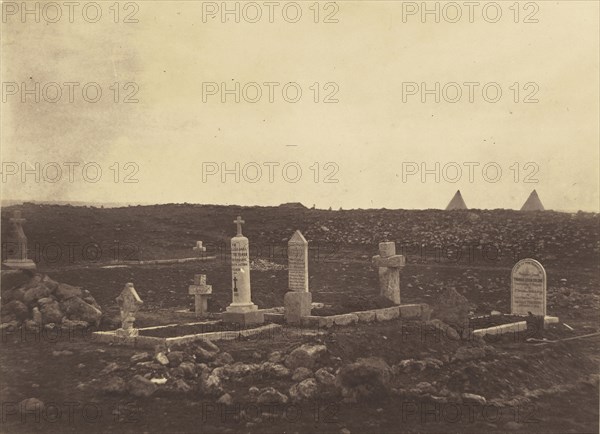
[[201, 291], [389, 265], [239, 222], [199, 248]]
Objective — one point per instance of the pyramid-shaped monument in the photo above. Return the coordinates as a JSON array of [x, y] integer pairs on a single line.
[[457, 202], [533, 203]]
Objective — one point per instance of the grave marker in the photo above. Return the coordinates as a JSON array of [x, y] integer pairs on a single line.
[[201, 291], [389, 265], [241, 310], [16, 245], [298, 300], [528, 288], [199, 248], [129, 303]]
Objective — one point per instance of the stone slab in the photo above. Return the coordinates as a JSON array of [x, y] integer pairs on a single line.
[[514, 327], [366, 316], [409, 311], [297, 305], [346, 319], [387, 313], [244, 318]]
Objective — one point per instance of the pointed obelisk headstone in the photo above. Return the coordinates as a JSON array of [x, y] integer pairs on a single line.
[[533, 203], [241, 310], [457, 202], [129, 303], [16, 245], [298, 300]]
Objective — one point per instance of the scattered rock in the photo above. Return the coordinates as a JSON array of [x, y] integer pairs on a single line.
[[140, 357], [188, 369], [51, 312], [225, 399], [111, 367], [301, 373], [275, 369], [270, 395], [162, 358], [306, 356], [223, 359], [325, 377], [306, 389], [31, 406], [77, 309], [114, 384], [364, 378], [473, 399], [175, 358], [141, 387], [276, 357], [181, 386], [57, 353], [64, 291], [16, 309], [444, 329]]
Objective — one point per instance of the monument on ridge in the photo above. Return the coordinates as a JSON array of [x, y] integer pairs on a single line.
[[201, 291], [298, 300], [457, 202], [533, 203], [241, 310], [389, 265], [129, 303], [16, 245]]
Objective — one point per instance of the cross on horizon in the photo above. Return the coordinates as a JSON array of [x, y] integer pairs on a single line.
[[17, 217], [239, 223]]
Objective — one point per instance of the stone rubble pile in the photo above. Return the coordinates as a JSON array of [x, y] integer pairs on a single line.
[[44, 302]]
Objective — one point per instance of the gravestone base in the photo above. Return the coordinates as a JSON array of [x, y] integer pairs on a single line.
[[127, 333], [20, 264], [244, 318], [297, 305]]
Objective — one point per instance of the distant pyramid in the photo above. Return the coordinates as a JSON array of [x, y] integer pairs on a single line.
[[457, 202], [533, 203]]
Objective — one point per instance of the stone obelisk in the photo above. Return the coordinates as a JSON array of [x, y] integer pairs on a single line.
[[241, 310]]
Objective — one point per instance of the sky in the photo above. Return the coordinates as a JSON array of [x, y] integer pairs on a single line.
[[365, 131]]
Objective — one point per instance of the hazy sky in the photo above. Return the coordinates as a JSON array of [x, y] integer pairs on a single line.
[[373, 141]]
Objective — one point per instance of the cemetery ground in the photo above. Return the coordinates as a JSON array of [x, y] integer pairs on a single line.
[[431, 382]]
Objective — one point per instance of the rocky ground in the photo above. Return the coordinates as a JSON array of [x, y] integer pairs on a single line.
[[395, 376]]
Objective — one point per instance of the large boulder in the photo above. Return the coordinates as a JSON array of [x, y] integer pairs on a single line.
[[364, 378], [77, 309], [306, 389], [14, 310], [51, 312], [33, 294], [452, 308], [305, 356], [65, 291]]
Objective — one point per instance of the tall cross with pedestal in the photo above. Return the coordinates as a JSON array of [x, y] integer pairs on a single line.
[[239, 222], [201, 291], [389, 265]]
